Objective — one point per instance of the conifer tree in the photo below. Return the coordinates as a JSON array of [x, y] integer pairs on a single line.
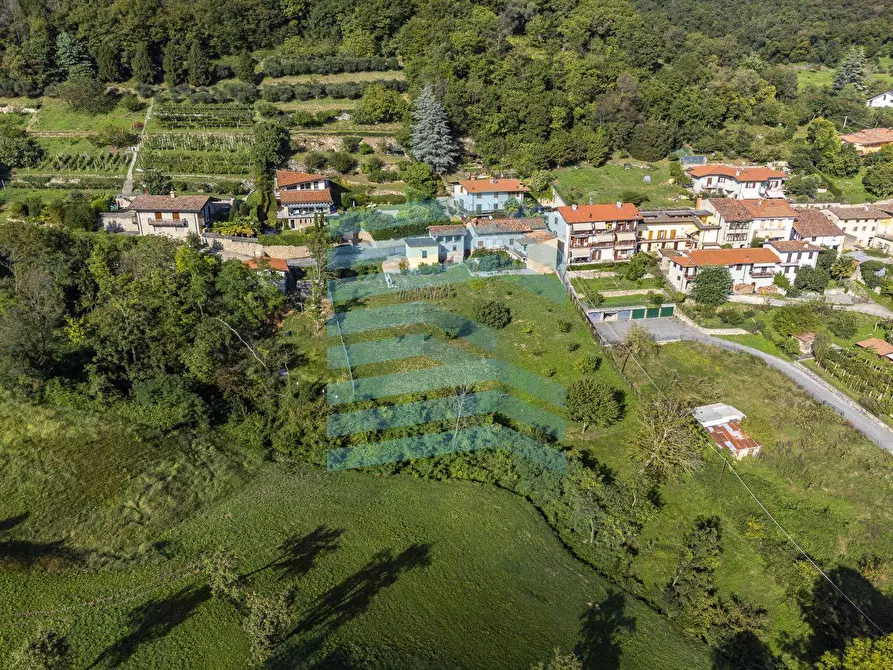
[[141, 65], [851, 71], [107, 63], [172, 63], [198, 67], [245, 67], [432, 139], [71, 55]]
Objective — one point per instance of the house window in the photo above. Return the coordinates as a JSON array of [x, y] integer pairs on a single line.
[[454, 247], [158, 216], [424, 253], [176, 216]]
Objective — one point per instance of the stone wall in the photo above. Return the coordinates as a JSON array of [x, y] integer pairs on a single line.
[[250, 247]]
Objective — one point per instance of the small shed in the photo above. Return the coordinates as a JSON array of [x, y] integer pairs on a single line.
[[723, 423], [420, 250], [806, 342]]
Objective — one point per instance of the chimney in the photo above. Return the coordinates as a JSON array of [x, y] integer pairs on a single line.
[[699, 202], [574, 207], [619, 205], [173, 194]]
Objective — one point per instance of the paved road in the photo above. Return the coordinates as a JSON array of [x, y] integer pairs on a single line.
[[863, 421]]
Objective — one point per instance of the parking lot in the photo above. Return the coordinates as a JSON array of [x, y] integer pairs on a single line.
[[663, 330]]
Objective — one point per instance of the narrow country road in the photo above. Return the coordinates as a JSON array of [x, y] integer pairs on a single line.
[[127, 189], [862, 420]]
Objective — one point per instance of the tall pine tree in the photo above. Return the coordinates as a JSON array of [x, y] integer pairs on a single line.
[[852, 70], [109, 69], [141, 65], [172, 63], [198, 68], [432, 140], [245, 67], [71, 55]]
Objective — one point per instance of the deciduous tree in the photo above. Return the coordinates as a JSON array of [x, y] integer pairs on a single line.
[[712, 286], [666, 443], [593, 403]]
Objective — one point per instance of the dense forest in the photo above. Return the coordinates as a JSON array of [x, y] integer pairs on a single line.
[[536, 84]]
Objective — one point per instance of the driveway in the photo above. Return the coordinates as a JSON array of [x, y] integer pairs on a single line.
[[862, 420]]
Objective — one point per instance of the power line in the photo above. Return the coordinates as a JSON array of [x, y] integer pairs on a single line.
[[760, 503]]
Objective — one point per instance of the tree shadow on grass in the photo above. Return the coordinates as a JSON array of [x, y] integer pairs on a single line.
[[743, 651], [299, 553], [25, 554], [153, 621], [350, 599], [598, 646]]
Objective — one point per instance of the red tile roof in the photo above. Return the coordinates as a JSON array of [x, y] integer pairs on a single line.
[[706, 257], [493, 186], [289, 178], [587, 213], [869, 136], [812, 223], [769, 208], [730, 436], [448, 229], [789, 246], [879, 347], [861, 212], [278, 264], [305, 196], [487, 226], [168, 203], [730, 210], [737, 173]]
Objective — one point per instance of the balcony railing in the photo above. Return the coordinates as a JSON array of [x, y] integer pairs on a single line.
[[761, 274], [168, 223]]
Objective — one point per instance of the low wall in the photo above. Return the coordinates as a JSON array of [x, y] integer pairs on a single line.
[[249, 246]]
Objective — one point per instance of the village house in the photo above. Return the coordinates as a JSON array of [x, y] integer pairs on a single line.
[[173, 215], [737, 182], [286, 180], [508, 234], [483, 196], [298, 208], [452, 242], [723, 423], [276, 270], [793, 255], [884, 99], [741, 221], [878, 346], [420, 251], [596, 233], [675, 229], [860, 223], [814, 227], [751, 269], [869, 140]]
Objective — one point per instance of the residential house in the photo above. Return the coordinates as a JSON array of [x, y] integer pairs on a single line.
[[741, 221], [738, 182], [723, 423], [862, 223], [172, 215], [870, 140], [794, 254], [299, 207], [420, 251], [286, 180], [452, 242], [814, 227], [276, 269], [540, 250], [675, 229], [884, 99], [508, 234], [880, 347], [482, 196], [751, 269], [596, 233]]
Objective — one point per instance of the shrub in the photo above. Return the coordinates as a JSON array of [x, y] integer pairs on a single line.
[[843, 324], [564, 326], [731, 316], [811, 279], [789, 346], [342, 162], [364, 149], [315, 160], [781, 281], [351, 144], [491, 313], [587, 364], [796, 319]]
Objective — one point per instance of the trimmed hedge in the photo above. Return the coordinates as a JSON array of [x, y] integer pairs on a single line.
[[352, 90], [285, 67]]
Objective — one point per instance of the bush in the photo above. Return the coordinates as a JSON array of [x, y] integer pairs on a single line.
[[731, 316], [364, 149], [315, 160], [342, 162], [781, 281], [491, 313], [796, 319], [351, 144], [843, 324], [811, 279], [564, 326], [587, 364], [789, 346]]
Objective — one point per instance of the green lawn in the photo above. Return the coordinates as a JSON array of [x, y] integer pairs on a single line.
[[821, 76], [56, 115], [602, 284], [393, 571], [607, 183], [823, 481]]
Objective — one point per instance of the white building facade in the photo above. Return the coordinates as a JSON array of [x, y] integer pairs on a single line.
[[737, 182]]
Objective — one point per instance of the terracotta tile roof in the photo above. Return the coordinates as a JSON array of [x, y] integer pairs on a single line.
[[730, 210], [855, 213], [812, 223], [306, 196], [870, 136], [493, 186], [448, 229], [705, 257], [792, 246], [289, 178], [485, 226], [730, 436], [278, 264], [769, 208], [540, 236], [167, 203], [788, 246], [754, 173], [879, 347], [586, 213]]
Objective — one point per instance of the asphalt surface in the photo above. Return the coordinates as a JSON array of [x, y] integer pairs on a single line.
[[665, 331]]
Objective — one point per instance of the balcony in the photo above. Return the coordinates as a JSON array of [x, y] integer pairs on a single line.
[[739, 226], [762, 274], [168, 223]]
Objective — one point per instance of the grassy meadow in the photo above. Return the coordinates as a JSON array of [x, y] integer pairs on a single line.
[[608, 182]]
